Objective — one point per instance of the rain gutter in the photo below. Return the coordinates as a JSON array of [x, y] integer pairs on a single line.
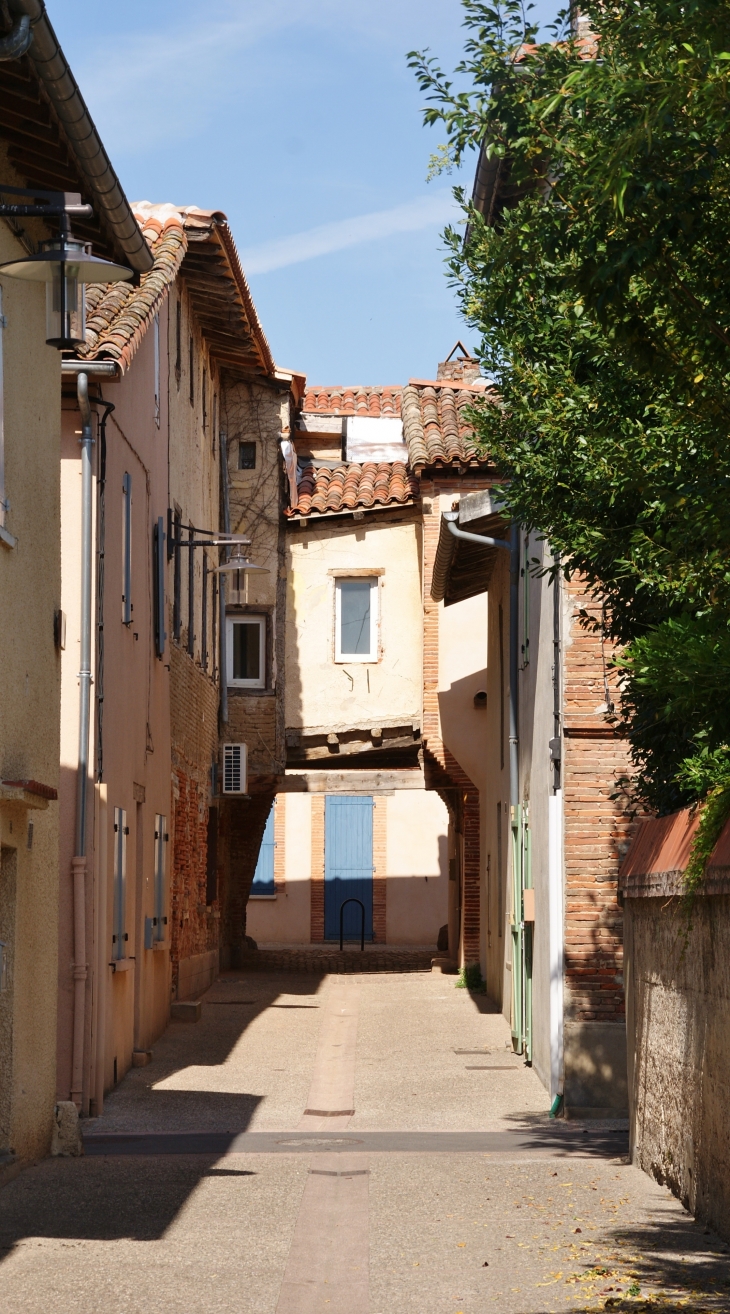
[[68, 104]]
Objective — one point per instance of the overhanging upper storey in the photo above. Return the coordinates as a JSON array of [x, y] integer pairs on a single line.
[[197, 246], [462, 569], [221, 297]]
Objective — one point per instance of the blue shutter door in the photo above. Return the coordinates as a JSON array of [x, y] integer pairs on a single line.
[[263, 878], [348, 865]]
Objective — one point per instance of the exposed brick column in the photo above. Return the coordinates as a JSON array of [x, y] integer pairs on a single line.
[[597, 825], [194, 733], [244, 826], [280, 844], [380, 812], [317, 880]]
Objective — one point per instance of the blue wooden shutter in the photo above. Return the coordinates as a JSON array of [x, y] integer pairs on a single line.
[[348, 865], [263, 880]]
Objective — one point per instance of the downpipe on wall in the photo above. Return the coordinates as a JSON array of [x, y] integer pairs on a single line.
[[78, 862], [516, 821], [80, 371], [515, 807]]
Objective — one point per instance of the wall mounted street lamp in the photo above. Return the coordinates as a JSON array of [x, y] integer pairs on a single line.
[[63, 263], [239, 565]]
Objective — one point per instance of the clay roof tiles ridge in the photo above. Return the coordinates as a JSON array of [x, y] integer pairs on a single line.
[[349, 486], [118, 315]]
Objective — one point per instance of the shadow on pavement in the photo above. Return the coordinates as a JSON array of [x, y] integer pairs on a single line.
[[141, 1101], [100, 1199], [673, 1266], [104, 1198]]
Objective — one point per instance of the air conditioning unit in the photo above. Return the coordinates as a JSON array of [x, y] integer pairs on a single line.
[[234, 769]]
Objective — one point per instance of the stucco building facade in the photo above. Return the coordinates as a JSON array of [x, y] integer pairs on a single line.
[[161, 360]]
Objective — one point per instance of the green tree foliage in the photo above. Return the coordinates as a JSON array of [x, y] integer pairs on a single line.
[[601, 291]]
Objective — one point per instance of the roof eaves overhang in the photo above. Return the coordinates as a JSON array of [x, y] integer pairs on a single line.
[[54, 143], [462, 570], [299, 520], [222, 298]]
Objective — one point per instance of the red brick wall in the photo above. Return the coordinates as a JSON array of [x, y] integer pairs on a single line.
[[596, 824], [243, 824], [379, 863], [194, 731], [317, 895], [280, 844], [252, 721]]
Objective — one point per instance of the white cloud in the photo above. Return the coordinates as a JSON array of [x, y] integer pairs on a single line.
[[155, 85], [438, 208]]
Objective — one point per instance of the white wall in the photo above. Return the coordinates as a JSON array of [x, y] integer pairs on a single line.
[[417, 867], [463, 634]]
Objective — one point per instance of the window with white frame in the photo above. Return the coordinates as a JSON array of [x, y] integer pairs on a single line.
[[246, 651], [356, 619]]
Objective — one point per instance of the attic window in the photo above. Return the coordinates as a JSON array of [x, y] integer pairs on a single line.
[[247, 456]]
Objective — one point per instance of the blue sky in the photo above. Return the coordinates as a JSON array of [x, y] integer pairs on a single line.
[[300, 120]]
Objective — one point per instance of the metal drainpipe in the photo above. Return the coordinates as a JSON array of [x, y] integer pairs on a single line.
[[513, 547], [222, 636], [79, 860], [18, 40], [518, 1029]]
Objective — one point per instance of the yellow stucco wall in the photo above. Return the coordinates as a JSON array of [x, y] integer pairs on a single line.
[[321, 691], [29, 714]]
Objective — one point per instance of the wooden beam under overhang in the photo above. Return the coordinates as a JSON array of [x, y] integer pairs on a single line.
[[355, 782], [304, 753], [43, 175], [239, 361], [18, 127]]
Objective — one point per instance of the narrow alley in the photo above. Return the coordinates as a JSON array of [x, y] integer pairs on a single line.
[[351, 1144]]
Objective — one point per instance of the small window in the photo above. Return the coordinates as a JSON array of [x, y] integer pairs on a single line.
[[247, 652], [356, 620], [247, 456]]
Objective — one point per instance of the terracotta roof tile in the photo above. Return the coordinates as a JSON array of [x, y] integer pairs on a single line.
[[435, 424], [375, 402], [349, 487], [117, 314]]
